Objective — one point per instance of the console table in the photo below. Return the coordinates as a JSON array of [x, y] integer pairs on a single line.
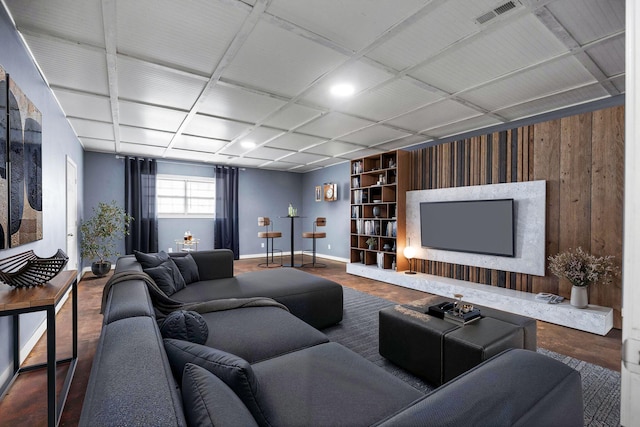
[[46, 297]]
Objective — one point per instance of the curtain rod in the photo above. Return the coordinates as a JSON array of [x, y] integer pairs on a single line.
[[178, 162]]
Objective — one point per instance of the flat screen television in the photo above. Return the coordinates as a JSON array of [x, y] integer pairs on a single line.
[[476, 226]]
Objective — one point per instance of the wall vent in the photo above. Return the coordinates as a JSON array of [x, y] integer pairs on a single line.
[[503, 8]]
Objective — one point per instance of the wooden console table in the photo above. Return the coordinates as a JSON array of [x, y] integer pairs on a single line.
[[17, 301]]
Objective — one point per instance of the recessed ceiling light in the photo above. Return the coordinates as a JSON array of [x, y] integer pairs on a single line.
[[342, 90], [248, 144]]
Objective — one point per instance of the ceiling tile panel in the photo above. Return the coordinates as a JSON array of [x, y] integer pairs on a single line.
[[434, 115], [212, 127], [557, 76], [451, 21], [148, 116], [281, 166], [92, 129], [70, 19], [245, 162], [329, 162], [193, 36], [304, 158], [196, 156], [99, 145], [609, 56], [278, 61], [463, 126], [506, 49], [362, 153], [334, 125], [295, 141], [360, 75], [225, 101], [619, 83], [84, 105], [336, 20], [260, 135], [554, 102], [392, 99], [139, 81], [588, 20], [196, 143], [141, 150], [267, 153], [292, 116], [145, 136], [71, 66], [374, 135], [333, 148], [401, 143]]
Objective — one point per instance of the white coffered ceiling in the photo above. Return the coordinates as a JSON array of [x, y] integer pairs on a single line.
[[193, 79]]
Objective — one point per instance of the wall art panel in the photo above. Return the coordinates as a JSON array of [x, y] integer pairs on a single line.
[[4, 186]]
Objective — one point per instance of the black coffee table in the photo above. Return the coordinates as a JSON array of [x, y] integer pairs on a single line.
[[437, 350]]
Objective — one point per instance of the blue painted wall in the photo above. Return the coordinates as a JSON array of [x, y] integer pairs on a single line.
[[58, 142], [337, 212]]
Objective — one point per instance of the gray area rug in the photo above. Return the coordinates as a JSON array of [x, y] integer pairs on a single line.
[[359, 332]]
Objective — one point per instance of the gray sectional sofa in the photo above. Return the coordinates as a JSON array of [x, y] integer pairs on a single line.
[[269, 366]]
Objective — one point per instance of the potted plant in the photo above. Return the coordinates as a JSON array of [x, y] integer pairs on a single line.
[[108, 223], [582, 269], [372, 242]]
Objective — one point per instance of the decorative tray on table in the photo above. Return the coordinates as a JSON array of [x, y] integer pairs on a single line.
[[449, 311]]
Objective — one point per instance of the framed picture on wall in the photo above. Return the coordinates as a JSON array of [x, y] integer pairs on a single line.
[[330, 192], [318, 193]]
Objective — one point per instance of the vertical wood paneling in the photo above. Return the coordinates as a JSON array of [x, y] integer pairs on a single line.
[[582, 160], [607, 196], [546, 165]]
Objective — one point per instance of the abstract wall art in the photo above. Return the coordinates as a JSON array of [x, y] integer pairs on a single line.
[[20, 166]]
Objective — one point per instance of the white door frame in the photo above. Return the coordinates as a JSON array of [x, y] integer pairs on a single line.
[[630, 370], [71, 212]]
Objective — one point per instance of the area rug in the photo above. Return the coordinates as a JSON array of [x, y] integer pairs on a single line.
[[359, 332]]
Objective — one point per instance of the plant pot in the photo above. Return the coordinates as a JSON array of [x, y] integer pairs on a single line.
[[579, 297], [100, 269]]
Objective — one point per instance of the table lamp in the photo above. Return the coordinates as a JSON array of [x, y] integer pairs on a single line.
[[409, 253]]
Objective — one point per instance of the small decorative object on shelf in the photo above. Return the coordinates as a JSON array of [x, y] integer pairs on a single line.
[[372, 243], [27, 269], [582, 269], [376, 211]]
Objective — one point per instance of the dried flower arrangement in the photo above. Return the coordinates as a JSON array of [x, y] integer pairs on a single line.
[[582, 268]]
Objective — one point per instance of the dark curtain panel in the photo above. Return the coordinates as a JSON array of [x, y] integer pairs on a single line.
[[226, 233], [140, 203]]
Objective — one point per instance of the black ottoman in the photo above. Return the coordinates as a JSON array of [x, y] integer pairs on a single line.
[[468, 346], [437, 350]]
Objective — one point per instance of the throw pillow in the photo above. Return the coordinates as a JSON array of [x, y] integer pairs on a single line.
[[185, 325], [188, 268], [152, 259], [208, 401], [163, 276], [234, 371]]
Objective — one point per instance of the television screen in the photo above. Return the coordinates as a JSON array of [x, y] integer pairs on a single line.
[[477, 226]]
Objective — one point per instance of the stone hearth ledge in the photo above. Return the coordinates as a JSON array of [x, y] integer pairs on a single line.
[[594, 319]]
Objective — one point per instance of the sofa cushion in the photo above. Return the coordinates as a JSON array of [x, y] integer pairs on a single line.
[[188, 268], [259, 333], [185, 325], [234, 371], [208, 401], [163, 276], [328, 383]]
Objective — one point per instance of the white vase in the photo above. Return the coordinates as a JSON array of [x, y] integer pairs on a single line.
[[579, 297]]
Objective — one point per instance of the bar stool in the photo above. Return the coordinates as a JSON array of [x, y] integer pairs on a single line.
[[264, 221], [319, 222]]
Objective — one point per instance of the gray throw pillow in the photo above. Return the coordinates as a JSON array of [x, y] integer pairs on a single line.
[[163, 276], [234, 371], [185, 325], [208, 401], [151, 259], [188, 268]]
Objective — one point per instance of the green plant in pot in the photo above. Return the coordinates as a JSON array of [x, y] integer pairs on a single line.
[[100, 232], [372, 242]]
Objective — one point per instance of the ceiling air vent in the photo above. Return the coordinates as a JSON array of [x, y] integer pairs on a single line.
[[503, 8]]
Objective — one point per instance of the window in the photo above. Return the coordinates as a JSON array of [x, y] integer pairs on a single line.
[[185, 196]]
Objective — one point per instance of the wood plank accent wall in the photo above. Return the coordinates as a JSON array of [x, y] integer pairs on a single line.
[[582, 159]]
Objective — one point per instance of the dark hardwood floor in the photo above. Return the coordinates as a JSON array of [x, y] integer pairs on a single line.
[[25, 403]]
